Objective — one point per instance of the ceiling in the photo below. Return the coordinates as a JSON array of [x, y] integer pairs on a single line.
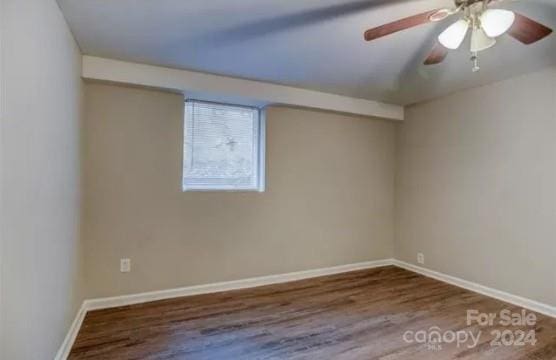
[[314, 44]]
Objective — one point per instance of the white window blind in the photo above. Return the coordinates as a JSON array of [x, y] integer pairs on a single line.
[[222, 147]]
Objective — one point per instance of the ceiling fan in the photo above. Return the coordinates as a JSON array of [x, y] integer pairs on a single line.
[[485, 23]]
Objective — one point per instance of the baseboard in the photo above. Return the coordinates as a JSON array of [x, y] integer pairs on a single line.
[[65, 349], [109, 302], [529, 304]]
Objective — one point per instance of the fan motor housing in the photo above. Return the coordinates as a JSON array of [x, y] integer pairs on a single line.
[[466, 3]]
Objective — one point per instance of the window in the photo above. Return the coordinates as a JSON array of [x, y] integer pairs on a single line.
[[223, 147]]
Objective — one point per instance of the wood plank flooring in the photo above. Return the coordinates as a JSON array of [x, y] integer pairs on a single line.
[[356, 315]]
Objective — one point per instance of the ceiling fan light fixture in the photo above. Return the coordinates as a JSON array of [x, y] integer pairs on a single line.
[[496, 22], [454, 35], [480, 41]]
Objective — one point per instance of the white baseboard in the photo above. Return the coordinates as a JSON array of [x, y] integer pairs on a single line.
[[109, 302], [65, 349], [529, 304]]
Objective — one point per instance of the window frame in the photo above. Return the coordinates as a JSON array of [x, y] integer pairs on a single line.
[[260, 154]]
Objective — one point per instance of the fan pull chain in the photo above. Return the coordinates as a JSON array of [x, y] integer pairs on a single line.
[[475, 60]]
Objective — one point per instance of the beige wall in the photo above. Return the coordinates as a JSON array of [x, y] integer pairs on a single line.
[[40, 132], [329, 197], [476, 186]]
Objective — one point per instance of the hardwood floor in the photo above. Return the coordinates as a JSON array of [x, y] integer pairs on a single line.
[[357, 315]]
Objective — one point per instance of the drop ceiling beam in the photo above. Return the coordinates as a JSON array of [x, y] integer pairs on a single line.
[[223, 87]]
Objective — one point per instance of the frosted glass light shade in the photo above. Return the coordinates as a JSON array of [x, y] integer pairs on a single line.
[[453, 36], [480, 41], [496, 22]]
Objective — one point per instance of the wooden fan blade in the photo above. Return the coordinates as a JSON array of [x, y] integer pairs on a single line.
[[399, 25], [437, 55], [528, 31]]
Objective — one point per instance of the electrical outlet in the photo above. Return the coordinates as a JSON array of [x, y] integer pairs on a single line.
[[420, 258], [125, 265]]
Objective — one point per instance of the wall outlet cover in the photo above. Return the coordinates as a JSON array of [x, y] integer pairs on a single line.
[[420, 258], [125, 265]]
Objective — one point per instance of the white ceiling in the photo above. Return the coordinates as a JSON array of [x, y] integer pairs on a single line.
[[315, 44]]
